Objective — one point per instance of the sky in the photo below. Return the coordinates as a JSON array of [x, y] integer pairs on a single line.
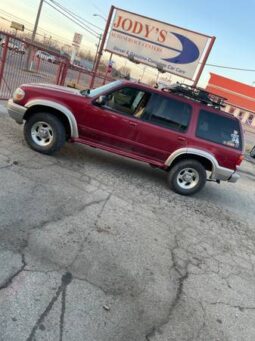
[[230, 21]]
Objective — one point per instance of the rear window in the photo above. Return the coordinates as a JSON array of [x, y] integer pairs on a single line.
[[219, 129]]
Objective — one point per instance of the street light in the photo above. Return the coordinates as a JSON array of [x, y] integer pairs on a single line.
[[99, 15]]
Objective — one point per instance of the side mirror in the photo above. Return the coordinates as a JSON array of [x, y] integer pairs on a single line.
[[101, 100]]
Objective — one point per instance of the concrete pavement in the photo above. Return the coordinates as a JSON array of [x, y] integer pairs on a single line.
[[95, 247]]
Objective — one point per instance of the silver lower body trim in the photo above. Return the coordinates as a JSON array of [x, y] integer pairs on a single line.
[[224, 174], [234, 177], [16, 111]]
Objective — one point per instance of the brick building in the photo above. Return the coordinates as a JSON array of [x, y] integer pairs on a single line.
[[240, 97]]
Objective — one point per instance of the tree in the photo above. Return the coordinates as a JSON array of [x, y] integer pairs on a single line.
[[124, 71], [84, 54]]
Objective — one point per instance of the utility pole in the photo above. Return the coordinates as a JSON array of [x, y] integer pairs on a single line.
[[101, 47], [96, 55], [34, 31]]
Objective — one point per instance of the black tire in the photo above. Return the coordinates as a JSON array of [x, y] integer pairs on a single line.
[[56, 133], [252, 152], [193, 170]]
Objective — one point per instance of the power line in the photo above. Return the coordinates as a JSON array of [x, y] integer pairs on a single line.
[[31, 25], [73, 19], [230, 67], [78, 21], [63, 9], [76, 15]]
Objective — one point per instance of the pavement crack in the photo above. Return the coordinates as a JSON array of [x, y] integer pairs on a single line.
[[103, 207], [239, 307], [96, 224], [62, 315], [183, 275], [91, 283], [68, 215], [11, 278], [65, 281]]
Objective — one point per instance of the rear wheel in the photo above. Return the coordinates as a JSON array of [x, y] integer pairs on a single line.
[[44, 133], [187, 177]]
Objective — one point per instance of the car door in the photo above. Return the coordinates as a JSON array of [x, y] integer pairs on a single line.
[[162, 128], [109, 119]]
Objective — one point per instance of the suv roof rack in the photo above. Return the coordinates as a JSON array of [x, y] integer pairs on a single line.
[[197, 94]]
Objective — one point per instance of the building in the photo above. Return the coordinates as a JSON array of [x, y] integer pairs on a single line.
[[240, 98]]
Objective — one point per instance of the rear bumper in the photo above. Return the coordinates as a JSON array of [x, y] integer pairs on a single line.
[[16, 111], [224, 174], [234, 177]]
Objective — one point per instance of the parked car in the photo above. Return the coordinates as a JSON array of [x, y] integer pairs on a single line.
[[20, 48], [180, 130], [43, 55], [14, 45]]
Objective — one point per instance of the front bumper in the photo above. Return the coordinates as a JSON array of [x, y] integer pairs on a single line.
[[16, 111]]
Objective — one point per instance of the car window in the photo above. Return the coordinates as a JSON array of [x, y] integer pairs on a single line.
[[219, 129], [167, 112], [102, 89], [126, 100]]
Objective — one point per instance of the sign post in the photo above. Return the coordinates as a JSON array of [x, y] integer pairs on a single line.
[[108, 68], [77, 38], [100, 51], [204, 61]]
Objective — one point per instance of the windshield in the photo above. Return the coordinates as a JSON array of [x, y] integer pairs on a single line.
[[101, 89]]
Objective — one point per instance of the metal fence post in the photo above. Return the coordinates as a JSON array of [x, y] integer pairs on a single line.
[[3, 61], [64, 73], [60, 67]]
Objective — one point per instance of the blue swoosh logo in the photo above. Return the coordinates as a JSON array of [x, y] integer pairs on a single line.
[[188, 54]]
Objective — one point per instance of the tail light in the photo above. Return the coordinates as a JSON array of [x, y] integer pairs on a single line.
[[240, 159]]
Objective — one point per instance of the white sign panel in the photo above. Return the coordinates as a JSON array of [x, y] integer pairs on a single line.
[[77, 39], [170, 48]]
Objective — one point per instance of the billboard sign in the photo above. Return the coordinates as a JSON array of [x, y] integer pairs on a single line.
[[169, 48], [17, 26]]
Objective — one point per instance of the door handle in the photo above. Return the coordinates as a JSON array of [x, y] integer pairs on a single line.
[[180, 138], [114, 116], [133, 124]]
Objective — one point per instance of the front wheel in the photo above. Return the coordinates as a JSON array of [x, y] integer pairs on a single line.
[[187, 177], [44, 133]]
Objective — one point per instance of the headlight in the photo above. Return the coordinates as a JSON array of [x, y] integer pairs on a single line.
[[18, 95]]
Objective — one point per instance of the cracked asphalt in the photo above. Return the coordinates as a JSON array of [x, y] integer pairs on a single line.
[[95, 247]]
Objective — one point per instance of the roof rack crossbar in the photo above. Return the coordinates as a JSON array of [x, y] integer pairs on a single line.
[[197, 94]]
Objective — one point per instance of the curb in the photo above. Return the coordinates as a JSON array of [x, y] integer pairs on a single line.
[[3, 109]]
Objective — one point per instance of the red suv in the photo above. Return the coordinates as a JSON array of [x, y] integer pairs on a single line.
[[181, 130]]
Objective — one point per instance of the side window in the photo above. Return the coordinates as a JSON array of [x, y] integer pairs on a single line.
[[219, 129], [168, 113], [126, 100]]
